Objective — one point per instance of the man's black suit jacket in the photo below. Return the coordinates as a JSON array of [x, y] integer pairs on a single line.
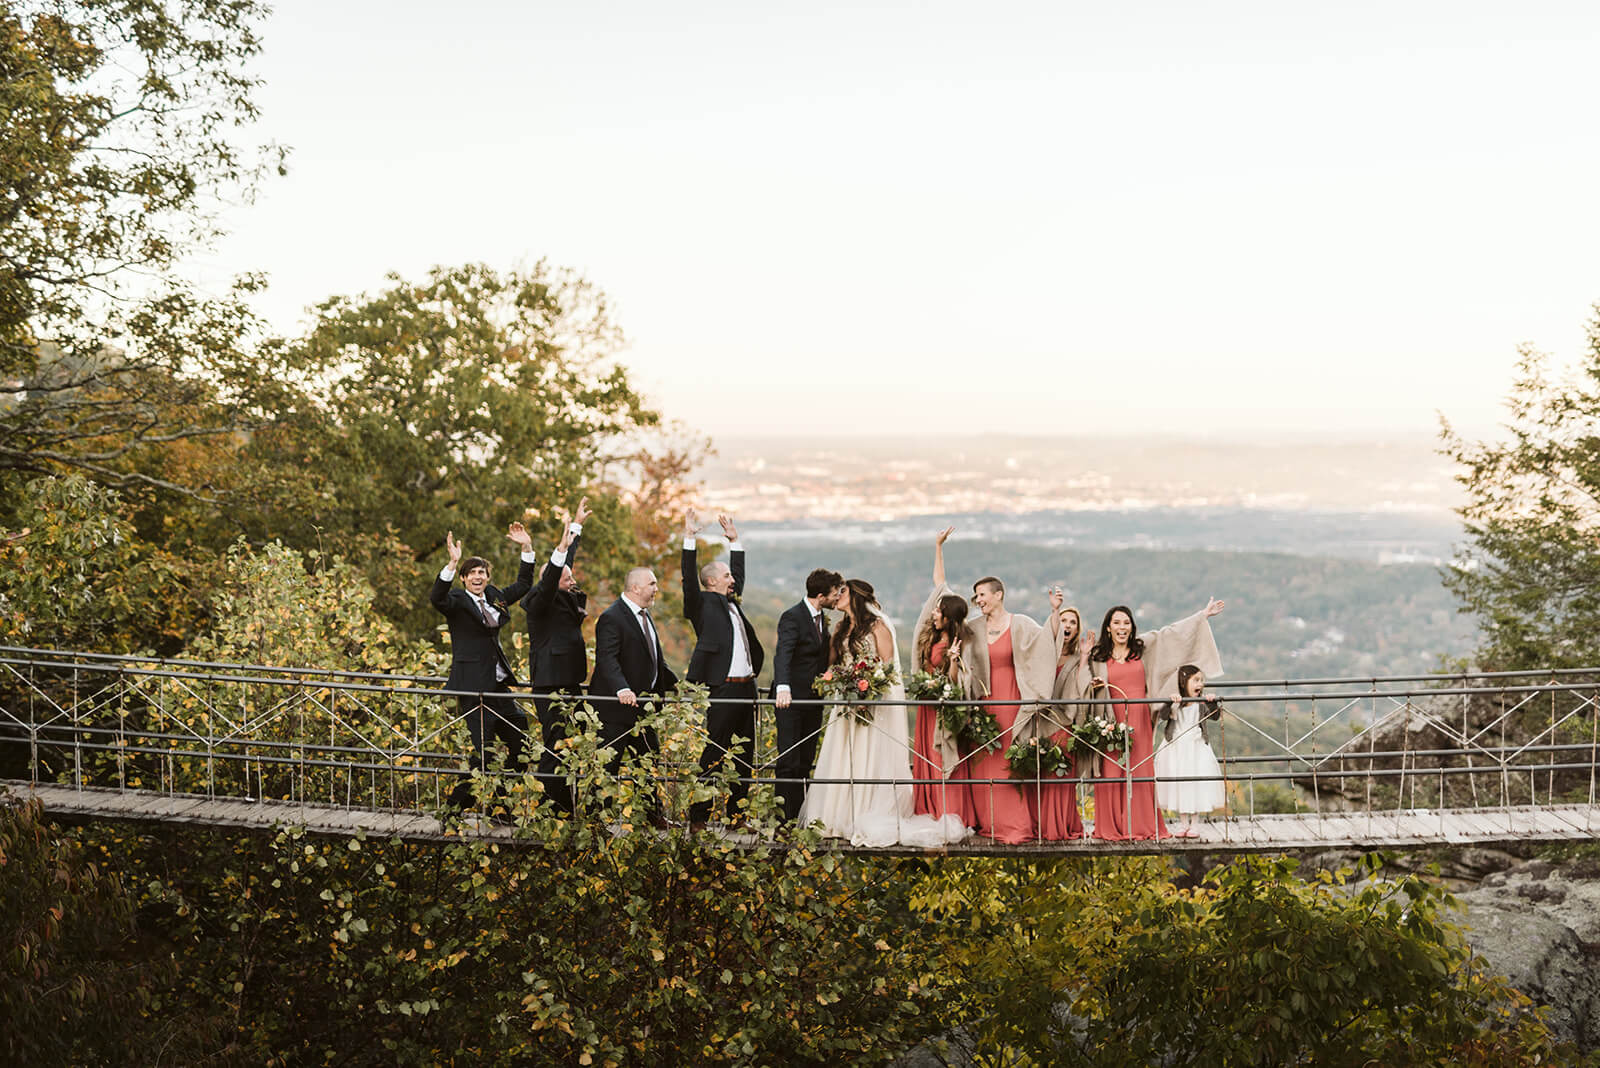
[[801, 656], [474, 645], [557, 657], [713, 625], [622, 661]]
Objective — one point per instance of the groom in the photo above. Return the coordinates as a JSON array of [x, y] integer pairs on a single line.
[[727, 657], [801, 656]]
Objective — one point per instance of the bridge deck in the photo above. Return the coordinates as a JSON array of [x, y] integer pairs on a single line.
[[1252, 834]]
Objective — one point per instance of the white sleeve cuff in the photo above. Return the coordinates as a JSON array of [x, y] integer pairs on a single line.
[[688, 543], [559, 557], [735, 547], [783, 688], [530, 557], [576, 528], [447, 574]]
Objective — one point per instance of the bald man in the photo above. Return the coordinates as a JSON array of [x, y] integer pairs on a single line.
[[629, 668]]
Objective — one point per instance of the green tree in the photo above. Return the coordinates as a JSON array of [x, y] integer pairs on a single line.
[[78, 980], [1530, 572], [462, 402], [118, 145], [1108, 964]]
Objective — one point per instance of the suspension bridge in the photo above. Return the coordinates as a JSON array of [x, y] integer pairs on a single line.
[[1308, 764]]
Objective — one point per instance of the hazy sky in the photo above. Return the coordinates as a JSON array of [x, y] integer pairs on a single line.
[[1032, 217]]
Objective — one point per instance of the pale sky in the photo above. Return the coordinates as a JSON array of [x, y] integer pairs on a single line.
[[1071, 217]]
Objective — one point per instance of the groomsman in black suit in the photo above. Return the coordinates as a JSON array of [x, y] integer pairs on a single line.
[[629, 668], [801, 656], [475, 613], [727, 656], [558, 660]]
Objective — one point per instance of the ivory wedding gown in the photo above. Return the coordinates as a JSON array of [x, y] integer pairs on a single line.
[[880, 813]]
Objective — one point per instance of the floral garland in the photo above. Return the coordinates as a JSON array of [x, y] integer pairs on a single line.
[[1039, 760], [851, 684]]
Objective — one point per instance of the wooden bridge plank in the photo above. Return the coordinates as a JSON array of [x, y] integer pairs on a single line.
[[1265, 833]]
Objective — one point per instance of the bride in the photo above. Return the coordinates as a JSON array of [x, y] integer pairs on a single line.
[[860, 804]]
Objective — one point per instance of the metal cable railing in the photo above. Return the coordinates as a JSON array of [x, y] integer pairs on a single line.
[[1323, 748]]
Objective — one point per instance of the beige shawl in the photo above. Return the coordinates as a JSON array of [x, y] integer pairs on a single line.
[[1068, 687], [1188, 641], [1033, 655]]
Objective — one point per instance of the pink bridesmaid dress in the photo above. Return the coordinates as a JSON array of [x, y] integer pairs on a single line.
[[1143, 816], [1001, 811], [1111, 798], [1053, 803], [936, 798]]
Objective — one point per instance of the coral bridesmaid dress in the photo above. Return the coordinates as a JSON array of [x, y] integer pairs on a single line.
[[937, 798], [1053, 802], [1001, 812]]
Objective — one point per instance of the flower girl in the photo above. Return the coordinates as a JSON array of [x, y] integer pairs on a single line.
[[1186, 754]]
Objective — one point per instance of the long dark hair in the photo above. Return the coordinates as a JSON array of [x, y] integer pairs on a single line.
[[954, 611], [1211, 706], [1103, 644], [858, 620]]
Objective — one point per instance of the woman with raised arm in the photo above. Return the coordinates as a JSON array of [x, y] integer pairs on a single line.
[[862, 789], [1010, 659], [1129, 668], [940, 628], [1054, 801]]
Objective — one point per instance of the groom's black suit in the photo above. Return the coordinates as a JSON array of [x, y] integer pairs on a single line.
[[801, 655], [558, 661], [733, 711]]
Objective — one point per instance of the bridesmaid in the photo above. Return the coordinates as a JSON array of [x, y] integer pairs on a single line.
[[1010, 658], [1054, 802], [1129, 667], [938, 650]]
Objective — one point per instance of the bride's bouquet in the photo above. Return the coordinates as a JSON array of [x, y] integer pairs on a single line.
[[855, 682], [973, 727], [1100, 734], [1043, 759], [931, 686]]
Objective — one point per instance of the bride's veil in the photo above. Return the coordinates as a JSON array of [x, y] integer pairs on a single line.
[[894, 643]]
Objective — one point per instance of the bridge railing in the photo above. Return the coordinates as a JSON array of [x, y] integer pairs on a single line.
[[363, 740]]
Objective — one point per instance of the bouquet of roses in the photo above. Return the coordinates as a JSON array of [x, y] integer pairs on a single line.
[[856, 681], [973, 726], [1039, 760], [931, 686], [1100, 734]]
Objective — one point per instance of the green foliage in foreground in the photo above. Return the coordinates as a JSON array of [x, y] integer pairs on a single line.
[[578, 945]]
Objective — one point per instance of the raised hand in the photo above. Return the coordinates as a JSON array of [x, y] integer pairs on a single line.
[[1214, 607], [452, 547], [940, 538], [1085, 644], [583, 512], [729, 531], [518, 534], [691, 523], [1057, 599]]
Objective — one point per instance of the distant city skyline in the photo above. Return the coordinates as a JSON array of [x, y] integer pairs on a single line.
[[1242, 219]]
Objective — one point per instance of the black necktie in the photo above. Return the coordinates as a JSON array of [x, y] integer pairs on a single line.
[[821, 627]]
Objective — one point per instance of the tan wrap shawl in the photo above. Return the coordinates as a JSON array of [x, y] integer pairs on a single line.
[[1033, 655], [1188, 641], [1067, 687]]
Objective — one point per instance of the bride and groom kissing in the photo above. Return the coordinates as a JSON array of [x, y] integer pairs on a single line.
[[861, 789]]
